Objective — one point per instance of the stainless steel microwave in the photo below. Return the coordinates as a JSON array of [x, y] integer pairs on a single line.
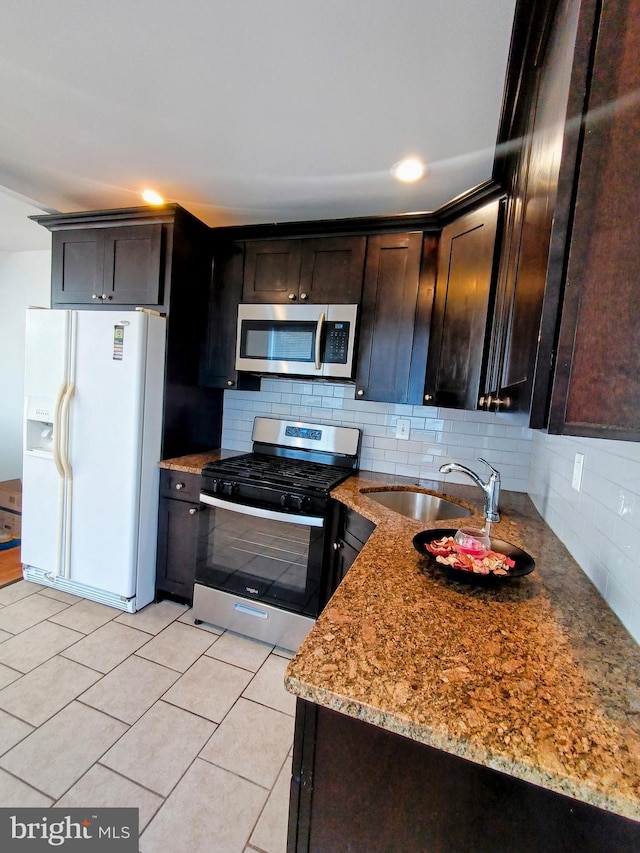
[[297, 340]]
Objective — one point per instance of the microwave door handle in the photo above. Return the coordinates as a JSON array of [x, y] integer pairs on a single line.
[[321, 320]]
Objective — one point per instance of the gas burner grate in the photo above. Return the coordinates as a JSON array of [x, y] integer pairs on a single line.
[[278, 471]]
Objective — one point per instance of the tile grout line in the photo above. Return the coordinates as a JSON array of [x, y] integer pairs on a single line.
[[273, 651]]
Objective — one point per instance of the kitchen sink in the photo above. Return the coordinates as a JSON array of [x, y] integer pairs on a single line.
[[418, 505]]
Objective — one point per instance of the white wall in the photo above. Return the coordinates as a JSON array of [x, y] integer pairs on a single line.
[[600, 524], [25, 279], [437, 435]]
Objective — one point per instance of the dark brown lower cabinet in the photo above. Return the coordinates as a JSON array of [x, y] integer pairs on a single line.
[[352, 533], [356, 788], [177, 535]]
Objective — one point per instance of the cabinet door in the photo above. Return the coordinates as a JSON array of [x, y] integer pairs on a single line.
[[272, 271], [597, 384], [76, 266], [351, 534], [332, 270], [523, 336], [133, 264], [345, 556], [98, 266], [463, 288], [177, 546], [391, 313], [218, 369]]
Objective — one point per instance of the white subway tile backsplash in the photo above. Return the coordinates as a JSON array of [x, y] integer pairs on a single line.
[[596, 571], [599, 524], [437, 434], [619, 600]]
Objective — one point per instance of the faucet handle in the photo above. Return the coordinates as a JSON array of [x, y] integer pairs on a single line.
[[497, 473]]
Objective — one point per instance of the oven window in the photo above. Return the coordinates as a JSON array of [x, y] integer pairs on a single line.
[[278, 340], [274, 561]]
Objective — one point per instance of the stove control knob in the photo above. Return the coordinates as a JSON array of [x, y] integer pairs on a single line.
[[286, 500], [229, 488], [299, 502]]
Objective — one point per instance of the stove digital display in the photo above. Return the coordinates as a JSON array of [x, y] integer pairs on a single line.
[[303, 432]]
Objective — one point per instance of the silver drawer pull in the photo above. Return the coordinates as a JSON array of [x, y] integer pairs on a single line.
[[251, 611]]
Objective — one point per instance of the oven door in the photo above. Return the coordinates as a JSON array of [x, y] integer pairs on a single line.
[[261, 554]]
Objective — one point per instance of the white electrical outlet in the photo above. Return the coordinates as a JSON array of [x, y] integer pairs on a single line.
[[578, 465], [403, 428]]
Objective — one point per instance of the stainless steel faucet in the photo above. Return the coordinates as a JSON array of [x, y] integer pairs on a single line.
[[491, 489]]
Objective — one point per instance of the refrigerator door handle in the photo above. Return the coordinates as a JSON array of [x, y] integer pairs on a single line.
[[57, 428], [63, 448], [68, 471]]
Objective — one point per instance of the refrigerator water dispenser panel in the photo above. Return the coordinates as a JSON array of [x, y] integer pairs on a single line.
[[39, 437]]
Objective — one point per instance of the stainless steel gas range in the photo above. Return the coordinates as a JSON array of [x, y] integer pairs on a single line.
[[264, 549]]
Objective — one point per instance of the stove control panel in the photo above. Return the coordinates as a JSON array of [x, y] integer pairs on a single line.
[[223, 487], [298, 503]]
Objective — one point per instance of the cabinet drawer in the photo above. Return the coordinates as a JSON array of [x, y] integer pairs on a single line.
[[178, 484]]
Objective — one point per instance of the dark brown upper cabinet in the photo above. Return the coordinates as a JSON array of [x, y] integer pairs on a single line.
[[467, 260], [525, 314], [219, 356], [596, 390], [566, 336], [96, 266], [147, 257], [314, 270], [394, 326]]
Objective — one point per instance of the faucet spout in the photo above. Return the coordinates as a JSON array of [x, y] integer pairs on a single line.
[[490, 489]]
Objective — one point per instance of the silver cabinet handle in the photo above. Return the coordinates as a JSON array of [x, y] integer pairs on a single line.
[[304, 296], [292, 297], [360, 392], [193, 510], [179, 486]]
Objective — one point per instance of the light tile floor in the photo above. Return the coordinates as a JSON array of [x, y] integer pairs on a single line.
[[103, 708]]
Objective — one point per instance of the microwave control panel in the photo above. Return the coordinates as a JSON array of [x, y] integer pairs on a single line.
[[336, 342]]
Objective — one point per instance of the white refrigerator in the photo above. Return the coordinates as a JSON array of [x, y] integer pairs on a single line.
[[94, 384]]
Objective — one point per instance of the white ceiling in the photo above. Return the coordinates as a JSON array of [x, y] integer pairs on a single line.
[[247, 110]]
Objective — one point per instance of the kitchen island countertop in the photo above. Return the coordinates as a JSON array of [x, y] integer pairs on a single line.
[[536, 678]]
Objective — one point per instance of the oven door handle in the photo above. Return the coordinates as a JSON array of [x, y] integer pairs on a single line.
[[259, 512]]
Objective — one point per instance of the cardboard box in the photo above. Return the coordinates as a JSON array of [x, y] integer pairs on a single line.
[[10, 522], [11, 495]]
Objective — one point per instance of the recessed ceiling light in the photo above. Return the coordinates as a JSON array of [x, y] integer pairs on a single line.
[[408, 170], [152, 197]]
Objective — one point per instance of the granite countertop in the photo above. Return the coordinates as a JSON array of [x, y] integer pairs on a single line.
[[194, 463], [536, 677]]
